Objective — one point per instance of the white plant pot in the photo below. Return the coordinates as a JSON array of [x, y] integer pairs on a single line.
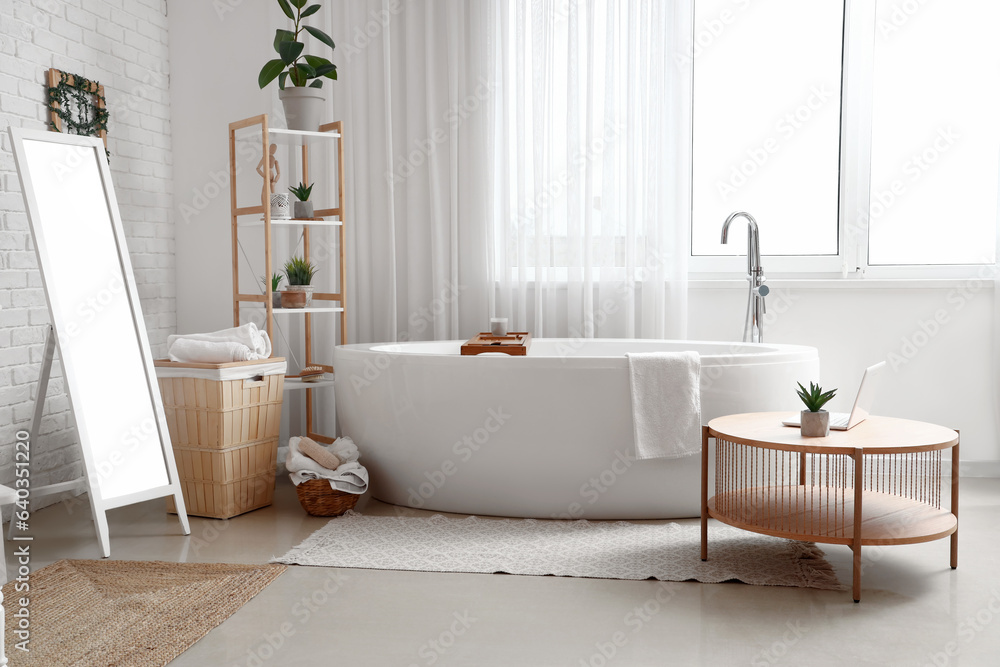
[[815, 424], [303, 107], [280, 207]]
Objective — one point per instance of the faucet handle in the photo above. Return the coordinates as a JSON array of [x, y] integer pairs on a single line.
[[761, 290]]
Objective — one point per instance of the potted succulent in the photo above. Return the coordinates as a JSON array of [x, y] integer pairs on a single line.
[[275, 295], [298, 294], [303, 208], [814, 420], [303, 99]]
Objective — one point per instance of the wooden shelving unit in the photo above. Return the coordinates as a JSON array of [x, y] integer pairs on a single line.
[[260, 216]]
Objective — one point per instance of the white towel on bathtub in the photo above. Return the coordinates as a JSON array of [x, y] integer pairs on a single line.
[[666, 403]]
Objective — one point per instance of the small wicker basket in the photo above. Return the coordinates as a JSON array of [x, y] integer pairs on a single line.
[[319, 499]]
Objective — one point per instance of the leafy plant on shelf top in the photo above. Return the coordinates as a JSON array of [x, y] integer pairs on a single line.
[[814, 397], [302, 191], [275, 281], [299, 271], [301, 68]]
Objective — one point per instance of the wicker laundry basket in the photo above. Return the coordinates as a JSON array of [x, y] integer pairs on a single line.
[[224, 421], [318, 498]]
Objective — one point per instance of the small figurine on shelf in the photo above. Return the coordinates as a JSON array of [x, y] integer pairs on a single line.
[[273, 174], [303, 208]]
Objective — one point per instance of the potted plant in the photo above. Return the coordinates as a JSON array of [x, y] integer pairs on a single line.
[[298, 294], [302, 101], [814, 420], [303, 208], [275, 281]]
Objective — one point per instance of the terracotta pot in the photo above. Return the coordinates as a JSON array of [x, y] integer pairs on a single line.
[[293, 299], [815, 424]]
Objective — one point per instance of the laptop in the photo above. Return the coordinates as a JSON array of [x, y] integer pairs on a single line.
[[844, 421]]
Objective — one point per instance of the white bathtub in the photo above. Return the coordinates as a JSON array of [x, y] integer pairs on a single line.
[[545, 436]]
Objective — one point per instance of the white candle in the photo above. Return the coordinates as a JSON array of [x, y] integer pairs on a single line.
[[498, 326]]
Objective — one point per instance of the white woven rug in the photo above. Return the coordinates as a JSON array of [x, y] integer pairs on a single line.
[[600, 549]]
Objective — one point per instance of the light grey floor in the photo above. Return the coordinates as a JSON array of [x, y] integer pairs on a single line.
[[914, 611]]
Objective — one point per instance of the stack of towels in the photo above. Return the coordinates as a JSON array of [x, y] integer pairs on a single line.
[[338, 464], [245, 343]]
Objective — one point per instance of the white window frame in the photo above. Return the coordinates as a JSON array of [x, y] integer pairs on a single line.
[[851, 261]]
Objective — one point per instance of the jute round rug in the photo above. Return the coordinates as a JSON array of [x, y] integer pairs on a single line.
[[600, 549], [125, 613]]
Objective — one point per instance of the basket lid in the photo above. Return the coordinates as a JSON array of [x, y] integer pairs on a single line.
[[234, 370]]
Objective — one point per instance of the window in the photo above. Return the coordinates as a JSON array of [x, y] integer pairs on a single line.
[[898, 166], [767, 84], [935, 133]]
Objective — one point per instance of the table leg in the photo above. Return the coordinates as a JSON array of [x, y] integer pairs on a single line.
[[704, 493], [954, 503], [859, 465]]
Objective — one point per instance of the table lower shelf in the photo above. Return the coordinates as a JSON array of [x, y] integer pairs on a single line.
[[826, 514]]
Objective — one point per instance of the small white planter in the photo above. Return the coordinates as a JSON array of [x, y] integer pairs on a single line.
[[303, 107], [280, 208], [815, 424]]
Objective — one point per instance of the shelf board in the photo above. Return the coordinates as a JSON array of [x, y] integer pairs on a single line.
[[310, 309], [285, 137], [826, 514], [294, 384], [293, 221]]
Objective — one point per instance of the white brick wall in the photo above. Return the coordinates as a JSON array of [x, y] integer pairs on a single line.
[[123, 45]]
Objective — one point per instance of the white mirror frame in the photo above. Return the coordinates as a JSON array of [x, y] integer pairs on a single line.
[[63, 331]]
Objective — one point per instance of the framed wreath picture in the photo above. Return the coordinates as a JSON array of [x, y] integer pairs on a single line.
[[77, 105]]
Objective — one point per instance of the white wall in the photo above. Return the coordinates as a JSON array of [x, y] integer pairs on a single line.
[[938, 342], [217, 49], [123, 45]]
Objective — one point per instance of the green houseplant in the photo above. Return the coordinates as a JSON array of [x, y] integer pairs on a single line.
[[300, 273], [275, 282], [303, 208], [303, 100], [814, 420]]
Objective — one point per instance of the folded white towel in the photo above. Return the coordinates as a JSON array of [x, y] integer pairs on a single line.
[[256, 341], [666, 403], [349, 478], [191, 351], [345, 449]]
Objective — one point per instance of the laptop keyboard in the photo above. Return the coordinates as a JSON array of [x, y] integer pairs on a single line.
[[839, 418]]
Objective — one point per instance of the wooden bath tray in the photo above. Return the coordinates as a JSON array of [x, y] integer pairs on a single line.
[[516, 343]]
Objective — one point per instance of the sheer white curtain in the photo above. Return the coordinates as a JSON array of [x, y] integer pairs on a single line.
[[589, 152], [413, 105]]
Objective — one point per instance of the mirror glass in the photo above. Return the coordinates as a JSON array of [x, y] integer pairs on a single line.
[[99, 344]]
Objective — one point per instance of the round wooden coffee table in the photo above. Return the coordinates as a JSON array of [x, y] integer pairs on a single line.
[[878, 483]]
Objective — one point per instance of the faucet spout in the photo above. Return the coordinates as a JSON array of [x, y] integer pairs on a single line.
[[753, 240], [753, 329]]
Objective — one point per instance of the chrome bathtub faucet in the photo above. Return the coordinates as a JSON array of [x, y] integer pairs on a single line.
[[753, 328]]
